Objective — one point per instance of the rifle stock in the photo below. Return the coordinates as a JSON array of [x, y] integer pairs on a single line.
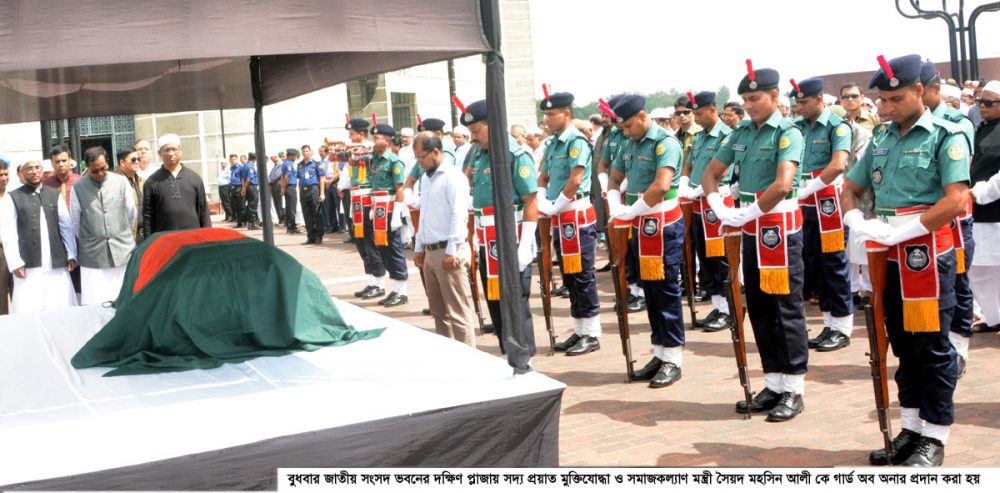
[[734, 238], [545, 276], [687, 210], [474, 273], [415, 219], [618, 233], [878, 342]]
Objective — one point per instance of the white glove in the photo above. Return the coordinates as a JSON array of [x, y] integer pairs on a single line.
[[603, 180], [371, 214], [987, 192], [409, 198], [615, 205], [696, 193], [718, 205], [734, 190], [815, 185], [637, 209], [396, 221], [684, 187], [560, 204], [905, 232], [862, 229], [544, 204], [526, 247], [743, 216]]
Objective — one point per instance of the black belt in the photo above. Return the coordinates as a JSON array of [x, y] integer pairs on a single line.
[[310, 186], [436, 246]]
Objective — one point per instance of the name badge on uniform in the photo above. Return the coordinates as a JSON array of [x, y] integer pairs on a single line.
[[819, 141], [644, 158], [739, 147], [766, 148], [881, 152], [627, 157]]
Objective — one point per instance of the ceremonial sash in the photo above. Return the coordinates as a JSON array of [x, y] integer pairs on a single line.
[[771, 231], [567, 225], [651, 239], [918, 274], [383, 205], [487, 236], [360, 198], [715, 240], [831, 221]]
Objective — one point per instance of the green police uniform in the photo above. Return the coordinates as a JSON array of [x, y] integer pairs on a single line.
[[952, 115], [564, 153], [827, 135], [755, 153], [386, 172], [612, 148], [641, 159], [706, 144], [525, 177]]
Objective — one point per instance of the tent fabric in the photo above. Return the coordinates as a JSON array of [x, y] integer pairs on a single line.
[[217, 299], [112, 57]]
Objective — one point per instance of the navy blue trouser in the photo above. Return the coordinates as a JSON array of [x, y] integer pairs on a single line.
[[961, 320], [828, 272], [392, 255], [374, 266], [713, 270], [527, 327], [583, 301], [663, 298]]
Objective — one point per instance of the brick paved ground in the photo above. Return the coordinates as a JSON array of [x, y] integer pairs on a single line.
[[607, 422]]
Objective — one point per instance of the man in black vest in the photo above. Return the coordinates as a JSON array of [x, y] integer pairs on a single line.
[[40, 246]]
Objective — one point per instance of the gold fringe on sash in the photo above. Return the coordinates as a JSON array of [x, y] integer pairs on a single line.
[[493, 289], [572, 264], [359, 231], [832, 242], [651, 269], [774, 281], [960, 256], [715, 247], [921, 316], [381, 238]]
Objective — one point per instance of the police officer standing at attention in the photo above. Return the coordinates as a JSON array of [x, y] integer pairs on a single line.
[[918, 166], [387, 211], [961, 227], [765, 152], [706, 232], [311, 185], [359, 191], [289, 187], [236, 199], [650, 159], [564, 195], [827, 149], [525, 184], [249, 191]]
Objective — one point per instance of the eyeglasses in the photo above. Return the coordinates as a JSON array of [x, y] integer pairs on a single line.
[[134, 160], [682, 112], [850, 96], [987, 103], [428, 153], [97, 171]]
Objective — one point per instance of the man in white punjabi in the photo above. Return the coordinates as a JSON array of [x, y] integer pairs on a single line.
[[39, 245], [103, 212], [173, 196]]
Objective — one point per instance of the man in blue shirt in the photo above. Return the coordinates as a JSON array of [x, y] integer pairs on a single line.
[[250, 191], [289, 186], [236, 199]]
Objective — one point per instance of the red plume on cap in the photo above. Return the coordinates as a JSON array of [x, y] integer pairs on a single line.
[[373, 119], [795, 86], [691, 97], [419, 120], [347, 117], [458, 104], [545, 90], [750, 73], [885, 67], [606, 108]]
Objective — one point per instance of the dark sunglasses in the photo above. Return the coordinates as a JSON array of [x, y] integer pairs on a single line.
[[134, 160], [683, 112], [987, 103], [850, 96]]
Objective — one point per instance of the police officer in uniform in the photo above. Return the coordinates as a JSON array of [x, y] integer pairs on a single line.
[[250, 190], [312, 182], [358, 192], [713, 269], [765, 152], [289, 187], [650, 159], [564, 195], [965, 246], [827, 150], [525, 184], [236, 199], [918, 166], [387, 209]]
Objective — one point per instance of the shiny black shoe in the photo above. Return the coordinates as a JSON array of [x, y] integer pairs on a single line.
[[788, 407], [638, 305], [961, 366], [702, 295], [720, 323], [765, 400], [488, 329], [426, 311], [384, 300], [363, 292], [702, 323], [374, 293], [396, 299], [349, 240], [308, 242], [606, 268], [647, 372], [668, 374], [568, 343], [561, 291], [820, 338], [586, 344], [902, 448], [929, 453], [833, 342]]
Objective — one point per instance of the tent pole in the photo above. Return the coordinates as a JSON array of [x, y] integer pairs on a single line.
[[258, 139]]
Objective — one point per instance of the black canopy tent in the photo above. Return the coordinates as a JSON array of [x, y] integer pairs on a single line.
[[110, 57]]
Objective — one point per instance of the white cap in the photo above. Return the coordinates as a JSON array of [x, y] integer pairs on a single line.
[[783, 100], [829, 99], [992, 86], [406, 132], [868, 101], [660, 113], [167, 140], [950, 91], [461, 130], [534, 131]]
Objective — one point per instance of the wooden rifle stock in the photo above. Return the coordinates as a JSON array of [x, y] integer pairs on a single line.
[[687, 210], [734, 239], [618, 233], [474, 272], [545, 276], [415, 219], [878, 343]]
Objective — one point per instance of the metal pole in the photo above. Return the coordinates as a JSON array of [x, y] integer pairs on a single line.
[[258, 138], [973, 51], [222, 136], [451, 92], [961, 31]]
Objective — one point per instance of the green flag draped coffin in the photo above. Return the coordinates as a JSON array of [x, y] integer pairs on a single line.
[[200, 298]]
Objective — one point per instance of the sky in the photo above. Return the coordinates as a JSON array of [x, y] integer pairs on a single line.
[[653, 45]]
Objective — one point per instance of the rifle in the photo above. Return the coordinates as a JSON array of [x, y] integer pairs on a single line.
[[687, 262], [474, 273], [878, 345], [545, 276], [618, 233], [415, 219], [734, 238]]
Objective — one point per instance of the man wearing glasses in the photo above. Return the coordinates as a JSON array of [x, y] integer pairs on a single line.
[[173, 196], [985, 268], [103, 214], [128, 167], [850, 99]]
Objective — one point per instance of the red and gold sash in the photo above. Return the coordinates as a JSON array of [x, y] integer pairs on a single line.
[[486, 235], [650, 230], [360, 198], [715, 239], [958, 238], [831, 221], [567, 225], [772, 230], [382, 206]]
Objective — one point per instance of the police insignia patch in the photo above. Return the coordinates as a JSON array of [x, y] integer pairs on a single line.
[[917, 258], [784, 142], [568, 231], [827, 206], [357, 207], [711, 217], [770, 237], [574, 153], [523, 172], [380, 212], [493, 249], [956, 152], [660, 149], [650, 226], [397, 171], [842, 131], [877, 177], [724, 141]]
